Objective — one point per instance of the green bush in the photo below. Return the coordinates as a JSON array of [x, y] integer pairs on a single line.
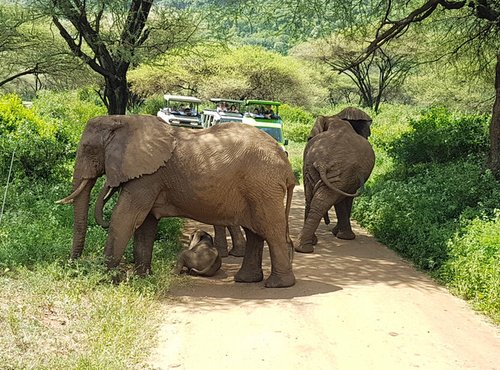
[[472, 270], [297, 123], [151, 105], [32, 142], [416, 213], [439, 136], [69, 111]]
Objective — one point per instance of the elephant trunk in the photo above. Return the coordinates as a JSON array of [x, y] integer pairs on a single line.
[[80, 215]]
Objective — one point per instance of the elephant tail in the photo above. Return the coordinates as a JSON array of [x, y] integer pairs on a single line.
[[288, 206], [104, 195], [324, 179]]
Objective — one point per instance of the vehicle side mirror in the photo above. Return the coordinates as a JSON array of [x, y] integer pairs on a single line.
[[286, 141]]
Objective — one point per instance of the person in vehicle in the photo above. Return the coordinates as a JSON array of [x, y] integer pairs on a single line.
[[269, 113], [233, 109]]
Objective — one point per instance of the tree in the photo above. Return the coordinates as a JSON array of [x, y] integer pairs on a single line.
[[479, 28], [373, 77], [28, 49], [110, 36], [247, 72]]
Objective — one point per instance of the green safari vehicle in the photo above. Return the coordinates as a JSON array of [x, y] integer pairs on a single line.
[[264, 114]]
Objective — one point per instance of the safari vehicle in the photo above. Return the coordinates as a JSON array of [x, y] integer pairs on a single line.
[[264, 115], [182, 111], [223, 110]]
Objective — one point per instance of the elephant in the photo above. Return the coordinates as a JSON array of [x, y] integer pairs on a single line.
[[229, 174], [201, 257], [237, 238], [337, 162], [360, 122]]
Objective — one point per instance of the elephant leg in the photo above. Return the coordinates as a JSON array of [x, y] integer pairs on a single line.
[[343, 228], [238, 240], [308, 194], [144, 238], [322, 201], [126, 218], [220, 240], [251, 268], [281, 260]]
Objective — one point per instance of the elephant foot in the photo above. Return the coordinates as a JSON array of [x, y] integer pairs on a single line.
[[314, 240], [253, 276], [305, 248], [237, 251], [335, 230], [280, 280], [346, 235], [143, 270]]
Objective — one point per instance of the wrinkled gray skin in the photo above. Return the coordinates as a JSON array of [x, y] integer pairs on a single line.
[[337, 162], [201, 257], [343, 209], [237, 238], [214, 176]]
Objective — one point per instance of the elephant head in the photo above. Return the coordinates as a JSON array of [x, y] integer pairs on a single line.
[[359, 120], [122, 148]]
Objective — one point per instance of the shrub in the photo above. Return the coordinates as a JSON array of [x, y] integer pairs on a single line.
[[439, 136], [416, 214], [472, 269], [151, 105], [297, 123], [32, 141]]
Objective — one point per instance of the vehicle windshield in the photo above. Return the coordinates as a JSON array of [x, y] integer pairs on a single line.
[[275, 132], [183, 108], [228, 107], [262, 111]]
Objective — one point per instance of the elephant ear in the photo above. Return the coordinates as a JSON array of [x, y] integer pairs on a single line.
[[138, 145], [318, 128]]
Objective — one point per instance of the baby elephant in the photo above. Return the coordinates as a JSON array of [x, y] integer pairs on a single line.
[[201, 257]]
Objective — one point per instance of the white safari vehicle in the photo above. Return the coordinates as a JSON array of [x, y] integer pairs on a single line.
[[182, 111], [223, 110]]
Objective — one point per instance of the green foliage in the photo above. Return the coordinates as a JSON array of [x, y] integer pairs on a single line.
[[34, 143], [472, 269], [297, 122], [246, 72], [439, 136], [152, 105], [418, 213]]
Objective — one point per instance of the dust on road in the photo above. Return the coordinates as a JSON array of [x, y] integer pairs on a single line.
[[356, 305]]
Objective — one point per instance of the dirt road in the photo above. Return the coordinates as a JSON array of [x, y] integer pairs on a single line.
[[356, 305]]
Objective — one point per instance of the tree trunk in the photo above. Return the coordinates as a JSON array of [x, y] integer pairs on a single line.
[[116, 94], [495, 127]]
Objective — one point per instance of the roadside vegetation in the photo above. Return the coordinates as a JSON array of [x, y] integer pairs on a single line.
[[434, 195]]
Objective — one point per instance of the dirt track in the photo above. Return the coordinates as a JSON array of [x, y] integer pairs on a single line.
[[356, 305]]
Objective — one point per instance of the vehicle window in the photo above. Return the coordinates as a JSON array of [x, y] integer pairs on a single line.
[[276, 133]]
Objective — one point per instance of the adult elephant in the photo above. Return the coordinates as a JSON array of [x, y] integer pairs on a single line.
[[337, 162], [360, 122], [230, 174]]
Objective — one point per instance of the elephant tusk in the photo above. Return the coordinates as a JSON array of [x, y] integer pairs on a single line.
[[69, 199]]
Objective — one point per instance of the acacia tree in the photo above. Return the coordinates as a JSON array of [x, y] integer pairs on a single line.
[[373, 77], [477, 22], [28, 49], [110, 36]]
